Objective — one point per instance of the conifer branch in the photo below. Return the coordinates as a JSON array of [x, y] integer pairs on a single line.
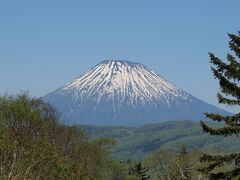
[[227, 87], [224, 131], [227, 101]]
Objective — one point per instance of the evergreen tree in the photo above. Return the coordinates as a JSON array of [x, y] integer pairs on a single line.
[[225, 166], [139, 171]]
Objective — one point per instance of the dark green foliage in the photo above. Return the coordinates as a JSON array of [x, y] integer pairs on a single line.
[[139, 171], [225, 166]]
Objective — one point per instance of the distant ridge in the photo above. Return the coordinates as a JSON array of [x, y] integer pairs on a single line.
[[125, 93], [136, 143]]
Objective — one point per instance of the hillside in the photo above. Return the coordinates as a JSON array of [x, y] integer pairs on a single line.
[[135, 143]]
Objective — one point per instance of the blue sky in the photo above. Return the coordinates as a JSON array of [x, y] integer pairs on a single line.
[[44, 44]]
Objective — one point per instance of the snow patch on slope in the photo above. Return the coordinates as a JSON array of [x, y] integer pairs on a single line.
[[122, 79]]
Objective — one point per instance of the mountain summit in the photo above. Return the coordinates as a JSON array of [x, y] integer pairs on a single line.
[[125, 93]]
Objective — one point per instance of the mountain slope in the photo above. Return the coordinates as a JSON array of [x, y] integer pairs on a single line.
[[125, 93], [136, 143]]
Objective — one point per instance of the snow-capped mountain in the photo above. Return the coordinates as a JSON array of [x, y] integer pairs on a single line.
[[125, 93]]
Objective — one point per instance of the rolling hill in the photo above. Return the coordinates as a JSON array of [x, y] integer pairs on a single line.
[[136, 143]]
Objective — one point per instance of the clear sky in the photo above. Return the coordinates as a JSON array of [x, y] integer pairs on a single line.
[[46, 43]]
